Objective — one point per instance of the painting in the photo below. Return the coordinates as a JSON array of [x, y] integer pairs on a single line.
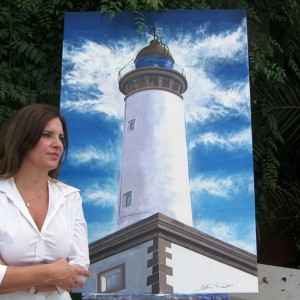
[[159, 121]]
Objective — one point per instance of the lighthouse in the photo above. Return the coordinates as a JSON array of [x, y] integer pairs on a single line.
[[154, 176], [155, 249]]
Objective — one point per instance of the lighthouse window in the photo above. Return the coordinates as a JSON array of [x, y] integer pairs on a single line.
[[165, 82], [154, 60], [112, 280], [131, 125], [127, 199], [153, 80]]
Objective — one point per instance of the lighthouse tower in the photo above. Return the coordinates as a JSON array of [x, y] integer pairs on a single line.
[[154, 173]]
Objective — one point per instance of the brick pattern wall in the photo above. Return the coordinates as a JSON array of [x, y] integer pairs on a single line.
[[160, 270]]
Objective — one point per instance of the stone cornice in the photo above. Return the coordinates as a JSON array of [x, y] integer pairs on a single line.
[[161, 226]]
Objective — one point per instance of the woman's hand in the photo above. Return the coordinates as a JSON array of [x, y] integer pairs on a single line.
[[45, 276], [65, 275]]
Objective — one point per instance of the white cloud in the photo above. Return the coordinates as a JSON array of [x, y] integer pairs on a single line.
[[207, 98], [104, 196], [90, 154], [97, 65], [101, 195], [231, 141], [112, 109], [229, 45], [218, 186], [203, 47], [98, 230], [239, 235]]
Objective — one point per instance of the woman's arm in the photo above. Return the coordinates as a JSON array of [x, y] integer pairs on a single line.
[[46, 288], [45, 276], [79, 254]]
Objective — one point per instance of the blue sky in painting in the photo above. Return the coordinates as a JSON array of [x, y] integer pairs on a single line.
[[211, 46]]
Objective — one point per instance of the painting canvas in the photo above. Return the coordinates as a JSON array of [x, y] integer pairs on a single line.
[[159, 122]]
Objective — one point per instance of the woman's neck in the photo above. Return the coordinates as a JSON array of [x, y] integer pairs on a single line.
[[31, 180]]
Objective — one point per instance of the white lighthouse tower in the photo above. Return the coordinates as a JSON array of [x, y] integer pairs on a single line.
[[154, 172]]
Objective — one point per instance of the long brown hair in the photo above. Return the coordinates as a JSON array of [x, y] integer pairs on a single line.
[[22, 133]]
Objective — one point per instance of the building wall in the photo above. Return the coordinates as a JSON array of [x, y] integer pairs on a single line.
[[136, 271], [206, 275], [154, 162]]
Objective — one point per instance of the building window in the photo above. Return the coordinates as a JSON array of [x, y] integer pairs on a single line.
[[127, 199], [131, 125], [112, 280]]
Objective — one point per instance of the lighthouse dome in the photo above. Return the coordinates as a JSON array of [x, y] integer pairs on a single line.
[[154, 55]]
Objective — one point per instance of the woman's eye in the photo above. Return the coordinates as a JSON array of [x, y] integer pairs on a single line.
[[46, 134]]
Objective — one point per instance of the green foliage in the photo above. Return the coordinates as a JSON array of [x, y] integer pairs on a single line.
[[285, 208], [137, 6], [262, 65], [274, 63], [131, 5], [267, 139], [5, 112], [29, 67], [31, 46], [283, 218], [276, 134]]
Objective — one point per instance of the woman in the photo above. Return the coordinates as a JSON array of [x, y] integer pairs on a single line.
[[43, 234]]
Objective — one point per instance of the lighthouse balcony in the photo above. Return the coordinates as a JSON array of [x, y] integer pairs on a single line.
[[133, 79], [131, 66]]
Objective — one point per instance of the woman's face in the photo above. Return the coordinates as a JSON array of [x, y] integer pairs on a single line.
[[46, 154]]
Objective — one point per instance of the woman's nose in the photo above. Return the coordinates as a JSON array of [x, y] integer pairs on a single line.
[[56, 143]]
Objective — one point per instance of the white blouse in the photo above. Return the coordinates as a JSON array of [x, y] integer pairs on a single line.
[[63, 235]]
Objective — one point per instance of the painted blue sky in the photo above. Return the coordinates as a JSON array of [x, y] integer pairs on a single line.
[[211, 46]]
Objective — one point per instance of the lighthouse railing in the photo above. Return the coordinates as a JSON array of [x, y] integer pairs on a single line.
[[131, 67]]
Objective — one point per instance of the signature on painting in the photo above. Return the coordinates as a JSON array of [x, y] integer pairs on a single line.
[[211, 286]]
